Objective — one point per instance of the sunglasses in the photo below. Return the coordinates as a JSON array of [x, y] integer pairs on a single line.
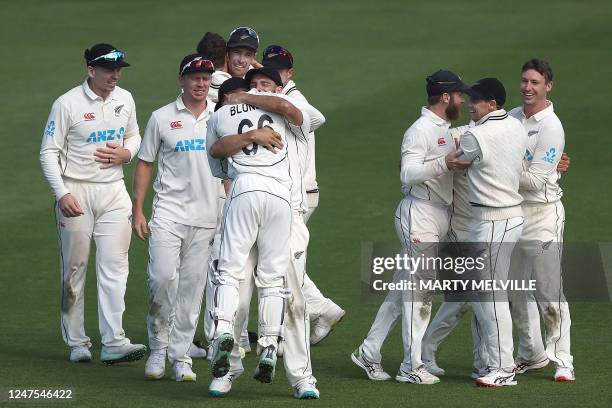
[[114, 55], [276, 50], [249, 30], [198, 63]]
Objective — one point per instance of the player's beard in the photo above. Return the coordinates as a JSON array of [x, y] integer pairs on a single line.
[[452, 110]]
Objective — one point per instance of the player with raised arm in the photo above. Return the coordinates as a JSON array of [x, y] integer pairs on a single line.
[[323, 312], [91, 132]]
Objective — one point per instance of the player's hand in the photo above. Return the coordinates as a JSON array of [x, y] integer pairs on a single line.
[[268, 138], [235, 98], [112, 155], [453, 162], [255, 64], [69, 206], [564, 163], [139, 225]]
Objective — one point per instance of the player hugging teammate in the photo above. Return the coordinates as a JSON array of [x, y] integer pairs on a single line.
[[235, 186], [498, 193]]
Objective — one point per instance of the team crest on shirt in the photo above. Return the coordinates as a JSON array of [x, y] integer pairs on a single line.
[[89, 116], [550, 155], [50, 131], [118, 110], [176, 125], [528, 155], [441, 141]]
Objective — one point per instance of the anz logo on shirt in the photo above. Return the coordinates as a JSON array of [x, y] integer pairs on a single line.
[[105, 135], [189, 145], [550, 155]]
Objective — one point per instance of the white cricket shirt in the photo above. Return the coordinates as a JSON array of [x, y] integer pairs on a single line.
[[218, 78], [545, 143], [424, 174], [185, 190], [283, 173], [80, 122]]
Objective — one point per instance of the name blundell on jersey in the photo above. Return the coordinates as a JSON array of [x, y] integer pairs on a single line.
[[237, 109]]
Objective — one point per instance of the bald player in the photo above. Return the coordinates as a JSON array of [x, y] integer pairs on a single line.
[[323, 312], [91, 132]]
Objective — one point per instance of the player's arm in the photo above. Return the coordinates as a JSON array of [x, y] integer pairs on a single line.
[[316, 117], [229, 145], [54, 140], [142, 177], [274, 104], [546, 157]]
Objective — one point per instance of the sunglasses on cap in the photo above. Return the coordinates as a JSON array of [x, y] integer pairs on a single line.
[[114, 55], [198, 63], [249, 30], [432, 81], [276, 50]]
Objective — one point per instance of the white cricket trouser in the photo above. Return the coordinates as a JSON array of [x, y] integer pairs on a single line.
[[420, 225], [253, 217], [176, 278], [107, 218], [296, 331], [449, 314], [318, 304], [495, 241], [538, 256]]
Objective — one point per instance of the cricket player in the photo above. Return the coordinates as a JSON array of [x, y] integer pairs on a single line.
[[323, 312], [421, 219], [90, 133], [183, 219], [296, 350], [495, 145], [214, 46], [239, 55], [540, 246]]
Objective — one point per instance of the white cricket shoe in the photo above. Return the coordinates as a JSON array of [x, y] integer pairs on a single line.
[[522, 366], [306, 389], [565, 374], [264, 372], [196, 350], [374, 371], [433, 368], [324, 324], [80, 354], [221, 386], [418, 376], [181, 372], [120, 354], [155, 369], [497, 377]]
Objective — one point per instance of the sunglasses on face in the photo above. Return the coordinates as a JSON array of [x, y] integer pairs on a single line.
[[198, 63], [275, 50], [114, 55], [249, 30]]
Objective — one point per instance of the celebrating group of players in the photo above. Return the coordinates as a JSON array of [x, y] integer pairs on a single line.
[[491, 189], [235, 186]]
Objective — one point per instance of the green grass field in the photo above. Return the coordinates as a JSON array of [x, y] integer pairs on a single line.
[[363, 65]]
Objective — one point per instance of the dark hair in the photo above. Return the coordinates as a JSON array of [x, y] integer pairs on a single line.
[[540, 66], [434, 99], [213, 45]]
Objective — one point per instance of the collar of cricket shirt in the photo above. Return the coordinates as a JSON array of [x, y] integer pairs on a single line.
[[498, 114], [434, 118]]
